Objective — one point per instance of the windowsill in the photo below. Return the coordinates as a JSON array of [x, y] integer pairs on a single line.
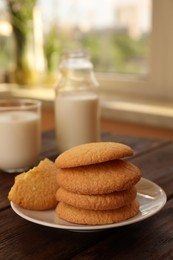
[[45, 94], [153, 113]]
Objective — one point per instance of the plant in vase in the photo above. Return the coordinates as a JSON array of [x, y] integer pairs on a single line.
[[22, 20]]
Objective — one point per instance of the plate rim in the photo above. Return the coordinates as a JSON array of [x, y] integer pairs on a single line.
[[77, 227]]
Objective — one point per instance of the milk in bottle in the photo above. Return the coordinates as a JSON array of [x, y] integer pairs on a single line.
[[76, 102]]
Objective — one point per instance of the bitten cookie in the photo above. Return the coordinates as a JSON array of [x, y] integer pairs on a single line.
[[96, 217], [36, 188], [92, 153], [102, 178], [97, 202]]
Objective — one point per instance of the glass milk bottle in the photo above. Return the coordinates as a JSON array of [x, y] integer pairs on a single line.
[[76, 102]]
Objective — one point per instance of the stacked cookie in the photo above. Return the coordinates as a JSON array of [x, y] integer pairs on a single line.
[[96, 186]]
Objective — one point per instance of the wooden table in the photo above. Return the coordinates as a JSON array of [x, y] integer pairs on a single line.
[[148, 239]]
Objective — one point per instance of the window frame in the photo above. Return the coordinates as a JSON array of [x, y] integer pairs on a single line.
[[158, 84]]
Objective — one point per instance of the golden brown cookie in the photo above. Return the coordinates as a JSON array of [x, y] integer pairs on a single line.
[[92, 153], [36, 188], [96, 217], [97, 202], [99, 178]]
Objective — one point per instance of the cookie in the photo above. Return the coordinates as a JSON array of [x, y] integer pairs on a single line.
[[92, 153], [96, 217], [97, 202], [36, 188], [102, 178]]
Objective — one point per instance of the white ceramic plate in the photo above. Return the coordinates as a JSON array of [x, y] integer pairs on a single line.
[[151, 198]]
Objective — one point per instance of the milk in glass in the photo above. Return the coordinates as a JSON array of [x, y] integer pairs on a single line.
[[20, 139]]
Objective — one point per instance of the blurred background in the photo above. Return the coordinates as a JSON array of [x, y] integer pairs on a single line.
[[130, 44], [34, 33]]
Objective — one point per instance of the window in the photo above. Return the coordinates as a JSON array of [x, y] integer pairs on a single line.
[[5, 41], [116, 32], [151, 75], [145, 76]]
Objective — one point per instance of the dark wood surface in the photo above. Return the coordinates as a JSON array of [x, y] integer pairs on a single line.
[[148, 239]]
